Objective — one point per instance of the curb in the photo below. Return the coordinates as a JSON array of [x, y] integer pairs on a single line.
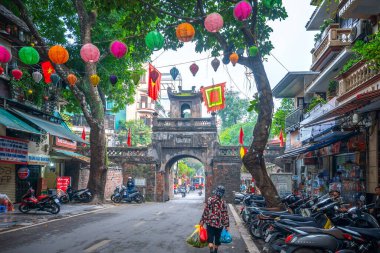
[[53, 220], [251, 247]]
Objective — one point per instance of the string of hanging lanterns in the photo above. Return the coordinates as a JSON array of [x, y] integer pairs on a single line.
[[154, 40]]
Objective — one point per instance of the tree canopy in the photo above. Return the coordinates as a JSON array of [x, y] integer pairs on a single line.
[[278, 123], [141, 134]]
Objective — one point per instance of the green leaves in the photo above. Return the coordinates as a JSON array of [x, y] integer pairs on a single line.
[[278, 122]]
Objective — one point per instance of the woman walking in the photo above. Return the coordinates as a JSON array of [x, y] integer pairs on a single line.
[[215, 216]]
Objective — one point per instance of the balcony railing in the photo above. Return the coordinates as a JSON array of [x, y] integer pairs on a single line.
[[332, 39], [358, 8], [293, 119], [173, 124], [358, 75]]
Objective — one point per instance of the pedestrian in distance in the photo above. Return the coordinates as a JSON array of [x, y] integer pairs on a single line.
[[215, 217]]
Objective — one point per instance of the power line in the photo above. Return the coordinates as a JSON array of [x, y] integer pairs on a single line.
[[279, 61]]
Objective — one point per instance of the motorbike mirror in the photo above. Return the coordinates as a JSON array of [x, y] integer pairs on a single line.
[[336, 208], [362, 198]]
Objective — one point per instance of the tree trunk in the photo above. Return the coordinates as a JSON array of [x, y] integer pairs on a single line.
[[254, 159]]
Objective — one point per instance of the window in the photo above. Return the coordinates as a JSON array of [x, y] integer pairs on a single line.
[[300, 102], [109, 105], [143, 102], [185, 111]]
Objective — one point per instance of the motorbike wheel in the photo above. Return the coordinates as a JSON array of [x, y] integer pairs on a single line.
[[244, 217], [54, 208], [255, 230], [139, 199], [23, 208], [86, 198], [64, 199], [116, 199]]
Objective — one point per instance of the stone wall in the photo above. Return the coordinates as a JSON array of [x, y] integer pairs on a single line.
[[147, 171], [114, 178], [227, 174], [84, 175]]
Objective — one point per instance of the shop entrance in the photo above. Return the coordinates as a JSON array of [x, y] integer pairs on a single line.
[[22, 184]]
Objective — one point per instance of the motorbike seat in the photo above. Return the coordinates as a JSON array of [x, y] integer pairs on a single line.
[[299, 223], [296, 218], [42, 197], [259, 201], [369, 233], [273, 214], [333, 231]]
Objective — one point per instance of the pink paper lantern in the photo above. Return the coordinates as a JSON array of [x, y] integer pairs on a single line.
[[17, 74], [213, 22], [5, 55], [242, 10], [89, 53], [118, 49]]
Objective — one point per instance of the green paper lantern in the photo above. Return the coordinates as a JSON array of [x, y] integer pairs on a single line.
[[253, 51], [136, 78], [29, 55], [154, 40]]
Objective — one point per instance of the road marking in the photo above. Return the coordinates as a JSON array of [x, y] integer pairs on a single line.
[[251, 246], [97, 246], [45, 222], [138, 224]]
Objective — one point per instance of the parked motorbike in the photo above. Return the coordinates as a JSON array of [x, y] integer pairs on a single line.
[[183, 191], [41, 203], [121, 193], [200, 193], [83, 195]]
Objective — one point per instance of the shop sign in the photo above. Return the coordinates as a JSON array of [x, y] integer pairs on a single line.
[[38, 159], [23, 173], [63, 183], [59, 142], [140, 181], [13, 150]]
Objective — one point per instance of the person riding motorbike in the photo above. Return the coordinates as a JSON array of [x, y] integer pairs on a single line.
[[130, 185]]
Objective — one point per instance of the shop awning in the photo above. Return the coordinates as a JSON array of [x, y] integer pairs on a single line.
[[70, 154], [12, 122], [51, 128], [294, 152], [359, 101]]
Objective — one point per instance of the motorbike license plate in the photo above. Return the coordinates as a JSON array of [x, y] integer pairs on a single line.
[[268, 238], [56, 201]]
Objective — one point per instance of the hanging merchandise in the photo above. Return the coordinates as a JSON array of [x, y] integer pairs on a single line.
[[58, 54], [89, 53], [118, 49], [154, 40], [17, 74], [185, 32], [37, 76], [213, 96], [194, 69], [55, 78], [47, 71], [242, 10], [253, 51], [29, 55], [174, 72], [153, 85], [94, 80], [113, 79], [72, 79], [213, 22], [5, 55], [1, 70], [215, 64], [234, 57]]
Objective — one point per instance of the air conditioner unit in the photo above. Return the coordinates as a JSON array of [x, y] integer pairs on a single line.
[[360, 30]]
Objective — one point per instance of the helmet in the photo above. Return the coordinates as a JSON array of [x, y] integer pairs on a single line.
[[129, 178], [219, 191]]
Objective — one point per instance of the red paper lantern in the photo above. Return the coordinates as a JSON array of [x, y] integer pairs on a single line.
[[89, 53], [213, 22], [1, 70], [194, 69], [185, 32], [5, 55], [118, 49], [17, 74], [242, 10]]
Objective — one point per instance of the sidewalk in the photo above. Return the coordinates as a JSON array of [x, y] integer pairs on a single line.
[[16, 219]]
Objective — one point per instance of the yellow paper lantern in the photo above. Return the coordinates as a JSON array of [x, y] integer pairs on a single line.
[[94, 80]]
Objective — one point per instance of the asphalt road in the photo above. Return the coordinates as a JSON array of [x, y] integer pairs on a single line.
[[131, 228]]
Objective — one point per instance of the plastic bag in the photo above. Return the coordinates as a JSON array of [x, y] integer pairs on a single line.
[[225, 237], [203, 234], [194, 239]]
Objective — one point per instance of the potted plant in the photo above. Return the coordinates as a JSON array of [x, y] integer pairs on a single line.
[[332, 89], [316, 100]]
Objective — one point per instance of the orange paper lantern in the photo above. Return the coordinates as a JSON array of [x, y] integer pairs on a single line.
[[72, 79], [185, 32], [58, 54], [94, 80], [234, 57]]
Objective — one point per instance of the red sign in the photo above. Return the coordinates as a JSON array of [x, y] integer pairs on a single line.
[[63, 183], [23, 173], [65, 143]]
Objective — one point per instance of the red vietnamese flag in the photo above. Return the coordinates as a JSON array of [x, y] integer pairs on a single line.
[[47, 70], [129, 140], [281, 138], [153, 86], [241, 136], [84, 136]]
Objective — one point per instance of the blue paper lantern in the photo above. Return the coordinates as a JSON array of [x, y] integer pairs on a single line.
[[174, 72], [113, 79], [55, 78]]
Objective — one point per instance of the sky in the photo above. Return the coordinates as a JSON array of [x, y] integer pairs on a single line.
[[292, 48]]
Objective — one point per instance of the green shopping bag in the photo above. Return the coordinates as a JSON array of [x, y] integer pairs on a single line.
[[194, 239]]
